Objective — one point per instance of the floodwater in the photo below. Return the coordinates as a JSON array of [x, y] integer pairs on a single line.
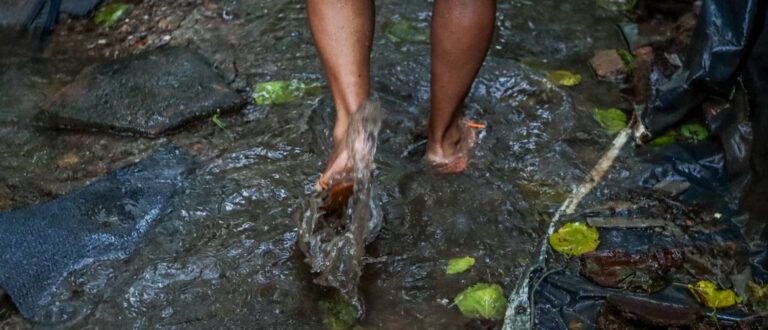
[[226, 255]]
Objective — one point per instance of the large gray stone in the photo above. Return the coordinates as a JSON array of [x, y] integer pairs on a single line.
[[146, 94]]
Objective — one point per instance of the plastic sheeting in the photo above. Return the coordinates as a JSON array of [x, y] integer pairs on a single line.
[[104, 220]]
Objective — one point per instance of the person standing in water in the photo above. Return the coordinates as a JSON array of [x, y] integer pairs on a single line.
[[460, 38]]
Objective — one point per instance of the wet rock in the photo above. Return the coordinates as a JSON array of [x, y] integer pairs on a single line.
[[608, 65], [643, 272], [628, 312], [147, 94]]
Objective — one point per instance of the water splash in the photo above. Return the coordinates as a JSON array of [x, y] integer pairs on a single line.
[[334, 242]]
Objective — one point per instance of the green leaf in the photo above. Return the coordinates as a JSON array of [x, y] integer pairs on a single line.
[[216, 120], [283, 91], [482, 301], [564, 78], [459, 265], [406, 31], [575, 239], [707, 293], [337, 313], [612, 120], [694, 131], [110, 14], [668, 137], [627, 58], [617, 5]]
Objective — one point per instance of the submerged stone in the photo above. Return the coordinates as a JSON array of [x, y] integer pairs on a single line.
[[146, 94]]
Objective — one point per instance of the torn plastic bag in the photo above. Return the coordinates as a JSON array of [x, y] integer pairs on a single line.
[[721, 44]]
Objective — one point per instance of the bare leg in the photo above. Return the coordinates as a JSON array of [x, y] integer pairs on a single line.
[[461, 36], [343, 33]]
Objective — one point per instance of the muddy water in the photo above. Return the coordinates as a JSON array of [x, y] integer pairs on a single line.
[[226, 256]]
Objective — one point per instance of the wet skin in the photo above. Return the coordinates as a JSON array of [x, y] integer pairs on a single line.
[[461, 35]]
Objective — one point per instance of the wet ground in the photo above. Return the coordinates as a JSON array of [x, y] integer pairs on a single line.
[[225, 255]]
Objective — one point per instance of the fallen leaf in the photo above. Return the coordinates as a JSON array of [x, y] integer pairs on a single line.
[[337, 313], [707, 293], [216, 120], [612, 120], [668, 137], [283, 91], [482, 301], [694, 131], [575, 239], [758, 296], [459, 265], [110, 14], [564, 78]]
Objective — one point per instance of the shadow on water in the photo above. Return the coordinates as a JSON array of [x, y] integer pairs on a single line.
[[225, 256]]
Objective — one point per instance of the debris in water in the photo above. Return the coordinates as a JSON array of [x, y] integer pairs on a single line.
[[612, 120], [617, 5], [640, 272], [337, 313], [68, 161], [670, 136], [406, 31], [482, 301], [110, 14], [283, 91], [459, 265], [694, 131], [608, 65], [758, 296], [564, 78], [217, 120], [627, 58], [707, 293], [575, 239]]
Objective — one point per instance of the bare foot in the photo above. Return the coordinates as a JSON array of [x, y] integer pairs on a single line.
[[354, 152], [452, 156]]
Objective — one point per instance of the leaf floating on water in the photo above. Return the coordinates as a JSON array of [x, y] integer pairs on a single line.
[[283, 91], [617, 5], [110, 14], [216, 120], [459, 265], [406, 31], [337, 313], [694, 131], [564, 78], [668, 137], [707, 293], [482, 301], [612, 120], [575, 239]]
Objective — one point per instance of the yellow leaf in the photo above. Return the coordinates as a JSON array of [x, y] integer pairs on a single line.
[[575, 239], [707, 293], [564, 78]]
